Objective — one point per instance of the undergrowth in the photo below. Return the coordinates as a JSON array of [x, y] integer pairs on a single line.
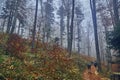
[[45, 62]]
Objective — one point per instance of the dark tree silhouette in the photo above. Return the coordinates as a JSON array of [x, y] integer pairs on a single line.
[[71, 28], [93, 10], [34, 26]]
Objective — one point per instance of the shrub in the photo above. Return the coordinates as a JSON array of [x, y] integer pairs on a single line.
[[3, 39], [16, 46], [54, 64]]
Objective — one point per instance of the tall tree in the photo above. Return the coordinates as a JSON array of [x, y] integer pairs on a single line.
[[42, 17], [14, 10], [34, 26], [71, 28], [61, 13], [15, 17], [4, 18], [67, 5], [113, 38], [88, 39], [49, 18], [106, 22], [93, 10], [9, 8], [79, 19]]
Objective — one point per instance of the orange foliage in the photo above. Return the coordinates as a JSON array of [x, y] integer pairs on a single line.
[[54, 62], [91, 75], [15, 46], [39, 45]]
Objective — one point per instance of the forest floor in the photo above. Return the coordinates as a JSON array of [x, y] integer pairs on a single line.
[[92, 74], [45, 62]]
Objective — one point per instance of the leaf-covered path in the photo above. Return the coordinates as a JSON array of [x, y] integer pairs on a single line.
[[92, 74]]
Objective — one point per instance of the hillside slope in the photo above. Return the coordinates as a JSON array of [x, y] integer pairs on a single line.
[[45, 62]]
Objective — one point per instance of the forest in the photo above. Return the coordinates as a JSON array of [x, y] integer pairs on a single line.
[[59, 40]]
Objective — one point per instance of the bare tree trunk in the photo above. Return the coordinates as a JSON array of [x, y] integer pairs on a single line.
[[14, 18], [9, 21], [18, 32], [93, 10], [61, 29], [68, 29], [44, 34], [79, 36], [3, 25], [14, 24], [74, 39], [34, 26], [71, 27], [67, 7], [41, 3], [22, 31], [88, 40], [101, 46]]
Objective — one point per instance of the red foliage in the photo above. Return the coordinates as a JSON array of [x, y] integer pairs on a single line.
[[58, 57], [91, 74], [39, 45], [15, 46]]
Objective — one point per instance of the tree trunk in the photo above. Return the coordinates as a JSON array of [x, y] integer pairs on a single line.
[[88, 40], [62, 24], [18, 32], [43, 34], [93, 10], [61, 29], [74, 39], [3, 25], [13, 24], [79, 36], [14, 18], [71, 27], [41, 5], [9, 21], [68, 30], [22, 31], [34, 26]]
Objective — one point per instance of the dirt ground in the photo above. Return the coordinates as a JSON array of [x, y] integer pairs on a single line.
[[92, 74]]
